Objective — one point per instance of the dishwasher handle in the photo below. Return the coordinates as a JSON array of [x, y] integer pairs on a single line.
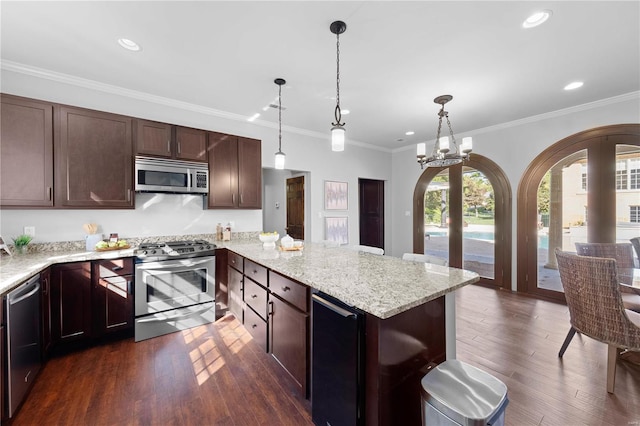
[[335, 308], [18, 296]]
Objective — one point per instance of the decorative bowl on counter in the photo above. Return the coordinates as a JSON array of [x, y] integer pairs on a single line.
[[269, 239]]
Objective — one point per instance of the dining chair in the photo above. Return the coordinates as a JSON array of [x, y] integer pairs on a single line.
[[595, 306], [425, 258], [635, 242], [366, 249], [623, 254]]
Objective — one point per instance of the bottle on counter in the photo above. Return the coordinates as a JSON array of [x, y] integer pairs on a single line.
[[219, 232]]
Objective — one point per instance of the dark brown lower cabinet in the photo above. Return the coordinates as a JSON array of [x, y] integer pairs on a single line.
[[112, 296], [71, 302], [288, 331], [45, 282], [236, 293]]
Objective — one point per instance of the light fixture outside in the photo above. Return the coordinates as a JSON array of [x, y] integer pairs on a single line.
[[337, 138], [573, 85], [536, 19], [129, 44]]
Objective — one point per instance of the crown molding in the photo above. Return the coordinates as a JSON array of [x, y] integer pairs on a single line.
[[160, 100]]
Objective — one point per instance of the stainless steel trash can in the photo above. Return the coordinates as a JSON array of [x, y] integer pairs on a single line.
[[455, 393]]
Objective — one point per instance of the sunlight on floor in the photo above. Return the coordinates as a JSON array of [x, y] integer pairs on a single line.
[[205, 359]]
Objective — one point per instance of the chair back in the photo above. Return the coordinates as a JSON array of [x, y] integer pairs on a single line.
[[621, 252], [593, 297], [425, 258], [366, 249]]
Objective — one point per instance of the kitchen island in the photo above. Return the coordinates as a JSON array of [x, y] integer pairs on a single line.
[[404, 314]]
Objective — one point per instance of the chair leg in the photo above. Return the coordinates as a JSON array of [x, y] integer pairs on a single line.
[[612, 357], [567, 340]]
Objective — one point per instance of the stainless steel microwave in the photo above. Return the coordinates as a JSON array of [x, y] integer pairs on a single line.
[[175, 176]]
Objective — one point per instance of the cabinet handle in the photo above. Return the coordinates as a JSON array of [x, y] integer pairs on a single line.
[[233, 198], [253, 296], [254, 325], [270, 313], [255, 271], [241, 199], [49, 192], [117, 268], [286, 288], [169, 145], [128, 195], [179, 147], [129, 286]]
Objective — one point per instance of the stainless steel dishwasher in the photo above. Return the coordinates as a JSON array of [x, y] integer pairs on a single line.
[[23, 340]]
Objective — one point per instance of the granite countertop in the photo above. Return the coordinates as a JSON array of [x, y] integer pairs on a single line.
[[379, 285]]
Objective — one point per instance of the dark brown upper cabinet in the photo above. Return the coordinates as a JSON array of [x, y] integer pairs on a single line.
[[93, 159], [169, 141], [26, 144], [235, 172]]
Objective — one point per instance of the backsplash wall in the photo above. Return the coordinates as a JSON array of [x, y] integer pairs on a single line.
[[154, 215]]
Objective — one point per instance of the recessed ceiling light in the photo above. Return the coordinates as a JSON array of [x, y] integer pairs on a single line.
[[573, 85], [129, 44], [253, 117], [345, 112], [536, 19], [410, 132]]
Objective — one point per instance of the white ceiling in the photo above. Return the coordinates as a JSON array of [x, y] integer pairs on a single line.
[[395, 57]]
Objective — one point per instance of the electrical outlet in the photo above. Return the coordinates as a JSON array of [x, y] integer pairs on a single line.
[[30, 230]]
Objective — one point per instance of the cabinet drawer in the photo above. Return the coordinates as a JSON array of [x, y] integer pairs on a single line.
[[257, 327], [290, 291], [256, 297], [256, 272], [236, 261], [113, 267]]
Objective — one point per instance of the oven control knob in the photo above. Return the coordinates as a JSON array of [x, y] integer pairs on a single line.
[[201, 248], [144, 252], [208, 247]]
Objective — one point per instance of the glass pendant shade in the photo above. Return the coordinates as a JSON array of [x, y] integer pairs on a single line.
[[280, 157], [421, 151], [337, 138]]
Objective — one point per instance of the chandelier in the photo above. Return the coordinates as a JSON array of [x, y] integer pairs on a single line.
[[280, 157], [337, 131], [443, 155]]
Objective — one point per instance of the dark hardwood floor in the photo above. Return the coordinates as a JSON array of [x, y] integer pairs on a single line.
[[216, 375]]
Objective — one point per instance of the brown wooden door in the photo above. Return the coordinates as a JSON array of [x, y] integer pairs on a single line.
[[26, 143], [71, 302], [288, 339], [249, 173], [112, 296], [153, 138], [371, 203], [295, 207], [223, 170], [94, 160], [191, 144]]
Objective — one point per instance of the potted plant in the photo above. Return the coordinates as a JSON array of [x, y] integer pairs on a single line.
[[21, 242]]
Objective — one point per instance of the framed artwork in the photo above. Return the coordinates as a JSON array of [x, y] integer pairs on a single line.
[[336, 195], [336, 229]]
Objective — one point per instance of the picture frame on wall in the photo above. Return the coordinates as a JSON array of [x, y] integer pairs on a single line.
[[336, 229], [336, 195]]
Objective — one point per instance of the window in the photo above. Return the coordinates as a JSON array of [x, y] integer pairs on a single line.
[[634, 214], [584, 177], [621, 174], [634, 174]]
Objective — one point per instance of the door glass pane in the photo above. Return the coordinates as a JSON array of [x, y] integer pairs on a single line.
[[436, 216], [478, 244], [562, 214], [627, 194]]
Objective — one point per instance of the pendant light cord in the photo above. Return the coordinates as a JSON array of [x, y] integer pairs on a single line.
[[279, 118], [337, 112]]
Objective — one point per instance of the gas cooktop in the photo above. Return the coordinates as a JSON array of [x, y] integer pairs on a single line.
[[174, 250]]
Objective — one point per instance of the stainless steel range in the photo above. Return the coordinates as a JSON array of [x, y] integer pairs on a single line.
[[174, 288]]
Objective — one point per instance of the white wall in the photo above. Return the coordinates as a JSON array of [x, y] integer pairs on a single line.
[[305, 151], [512, 146]]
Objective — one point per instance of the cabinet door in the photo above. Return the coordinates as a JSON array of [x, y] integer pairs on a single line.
[[249, 173], [223, 170], [94, 160], [236, 294], [71, 302], [45, 281], [288, 339], [112, 296], [191, 144], [26, 143], [153, 138]]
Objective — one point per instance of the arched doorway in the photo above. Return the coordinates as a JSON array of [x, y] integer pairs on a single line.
[[585, 187], [472, 227]]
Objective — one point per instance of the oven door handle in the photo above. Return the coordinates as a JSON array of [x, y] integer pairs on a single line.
[[174, 317], [183, 263]]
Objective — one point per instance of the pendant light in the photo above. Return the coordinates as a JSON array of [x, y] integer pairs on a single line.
[[337, 131], [280, 157], [442, 154]]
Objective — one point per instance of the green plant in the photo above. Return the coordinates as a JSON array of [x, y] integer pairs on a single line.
[[22, 240]]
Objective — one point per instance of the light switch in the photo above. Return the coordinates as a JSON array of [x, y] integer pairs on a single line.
[[30, 230], [277, 205]]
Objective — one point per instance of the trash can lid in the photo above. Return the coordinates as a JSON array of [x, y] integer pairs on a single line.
[[464, 393]]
